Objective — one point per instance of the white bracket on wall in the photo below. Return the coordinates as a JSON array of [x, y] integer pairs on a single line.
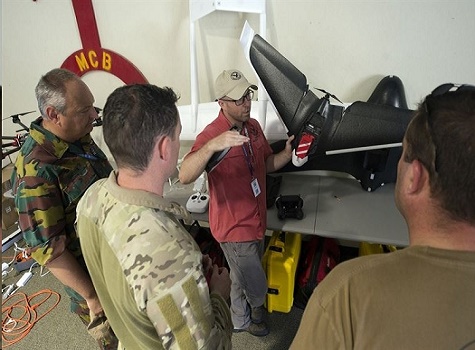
[[199, 9]]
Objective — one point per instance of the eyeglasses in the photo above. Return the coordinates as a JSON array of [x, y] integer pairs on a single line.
[[246, 97]]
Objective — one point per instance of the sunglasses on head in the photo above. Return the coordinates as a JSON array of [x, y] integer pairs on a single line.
[[429, 108]]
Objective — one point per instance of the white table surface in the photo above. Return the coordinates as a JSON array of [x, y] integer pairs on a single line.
[[334, 206]]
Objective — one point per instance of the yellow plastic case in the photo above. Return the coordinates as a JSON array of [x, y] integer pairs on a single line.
[[366, 248], [280, 264]]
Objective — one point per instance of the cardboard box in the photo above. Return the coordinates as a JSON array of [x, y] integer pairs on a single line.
[[9, 213], [6, 183]]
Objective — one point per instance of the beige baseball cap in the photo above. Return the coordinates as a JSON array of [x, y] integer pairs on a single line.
[[232, 83]]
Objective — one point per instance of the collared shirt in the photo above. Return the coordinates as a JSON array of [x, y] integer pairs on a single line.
[[147, 271], [49, 178], [235, 214]]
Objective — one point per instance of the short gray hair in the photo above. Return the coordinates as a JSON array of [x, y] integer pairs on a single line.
[[51, 90]]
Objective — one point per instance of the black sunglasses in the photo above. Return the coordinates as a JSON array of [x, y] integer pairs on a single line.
[[429, 108]]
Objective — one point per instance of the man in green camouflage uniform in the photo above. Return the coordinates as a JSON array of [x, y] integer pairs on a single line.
[[56, 164], [148, 271]]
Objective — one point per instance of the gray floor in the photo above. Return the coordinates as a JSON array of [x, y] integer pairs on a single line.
[[60, 329]]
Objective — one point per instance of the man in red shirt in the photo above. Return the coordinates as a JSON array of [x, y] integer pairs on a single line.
[[237, 208]]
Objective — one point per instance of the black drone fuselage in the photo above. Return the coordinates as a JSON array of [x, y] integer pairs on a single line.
[[382, 120]]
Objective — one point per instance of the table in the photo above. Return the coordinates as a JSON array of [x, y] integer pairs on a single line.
[[338, 207], [334, 206]]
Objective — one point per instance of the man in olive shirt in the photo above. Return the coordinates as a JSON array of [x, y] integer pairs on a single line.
[[420, 297]]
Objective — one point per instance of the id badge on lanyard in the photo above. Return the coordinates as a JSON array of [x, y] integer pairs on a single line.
[[256, 189]]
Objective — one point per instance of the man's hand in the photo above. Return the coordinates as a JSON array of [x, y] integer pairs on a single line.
[[278, 160], [195, 163], [94, 306], [207, 263], [220, 282], [288, 146], [227, 139]]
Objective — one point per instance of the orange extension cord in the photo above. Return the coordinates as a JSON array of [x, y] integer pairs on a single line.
[[20, 314]]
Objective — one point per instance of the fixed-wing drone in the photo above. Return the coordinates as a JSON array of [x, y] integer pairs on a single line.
[[364, 139]]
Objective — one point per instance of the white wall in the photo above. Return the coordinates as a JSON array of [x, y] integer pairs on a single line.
[[345, 47]]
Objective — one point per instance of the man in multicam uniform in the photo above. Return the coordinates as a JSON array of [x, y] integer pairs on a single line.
[[56, 164], [148, 271]]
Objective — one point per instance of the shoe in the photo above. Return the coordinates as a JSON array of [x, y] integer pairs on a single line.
[[258, 330], [258, 314]]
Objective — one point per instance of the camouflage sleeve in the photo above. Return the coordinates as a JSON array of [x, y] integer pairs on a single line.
[[179, 304], [41, 217], [223, 322], [191, 304]]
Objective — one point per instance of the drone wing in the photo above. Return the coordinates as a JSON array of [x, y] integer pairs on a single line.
[[365, 124], [332, 127], [284, 83]]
